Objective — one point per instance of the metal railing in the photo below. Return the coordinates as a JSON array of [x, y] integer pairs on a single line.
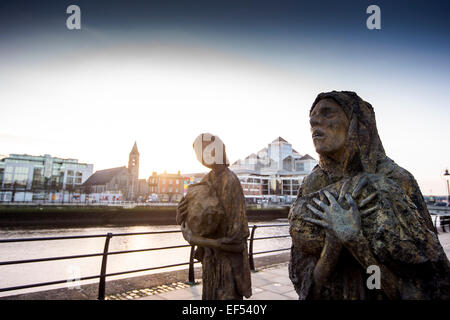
[[49, 203], [103, 274]]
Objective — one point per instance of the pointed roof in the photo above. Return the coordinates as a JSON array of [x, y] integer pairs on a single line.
[[263, 150], [101, 177], [279, 139], [135, 149], [307, 157]]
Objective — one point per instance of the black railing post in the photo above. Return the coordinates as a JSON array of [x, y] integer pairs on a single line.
[[101, 284], [191, 267], [250, 250]]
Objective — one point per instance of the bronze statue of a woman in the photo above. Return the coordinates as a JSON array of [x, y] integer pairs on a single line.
[[213, 218], [358, 209]]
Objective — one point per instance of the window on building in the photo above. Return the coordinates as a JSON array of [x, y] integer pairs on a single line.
[[8, 179], [21, 170], [21, 176], [300, 166], [38, 177]]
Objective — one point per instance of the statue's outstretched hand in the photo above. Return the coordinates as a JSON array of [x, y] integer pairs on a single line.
[[344, 223], [356, 193]]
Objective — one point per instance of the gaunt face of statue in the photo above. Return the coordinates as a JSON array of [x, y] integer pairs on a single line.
[[329, 125]]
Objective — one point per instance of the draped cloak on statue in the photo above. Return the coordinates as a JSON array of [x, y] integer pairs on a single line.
[[225, 275], [400, 233]]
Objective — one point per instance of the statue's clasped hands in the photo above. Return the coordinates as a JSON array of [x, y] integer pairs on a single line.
[[345, 224]]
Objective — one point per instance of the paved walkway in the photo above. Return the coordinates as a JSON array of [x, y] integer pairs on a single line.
[[267, 284], [444, 238]]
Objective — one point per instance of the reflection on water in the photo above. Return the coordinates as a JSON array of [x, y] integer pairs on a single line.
[[21, 274]]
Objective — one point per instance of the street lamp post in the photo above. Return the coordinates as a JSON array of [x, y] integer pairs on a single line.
[[447, 178]]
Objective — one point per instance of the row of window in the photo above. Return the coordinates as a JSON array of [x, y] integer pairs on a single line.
[[164, 181], [71, 180], [18, 176], [154, 189], [266, 181]]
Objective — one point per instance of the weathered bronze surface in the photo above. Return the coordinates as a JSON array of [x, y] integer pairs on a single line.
[[358, 208], [212, 217]]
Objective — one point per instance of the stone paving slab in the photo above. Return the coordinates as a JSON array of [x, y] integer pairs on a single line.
[[267, 284], [444, 238]]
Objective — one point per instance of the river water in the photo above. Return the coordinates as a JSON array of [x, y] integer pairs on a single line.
[[28, 273]]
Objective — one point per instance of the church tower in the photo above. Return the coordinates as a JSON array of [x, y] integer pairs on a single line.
[[133, 169], [133, 161]]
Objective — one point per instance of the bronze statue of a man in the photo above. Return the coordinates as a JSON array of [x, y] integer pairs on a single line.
[[213, 218], [359, 211]]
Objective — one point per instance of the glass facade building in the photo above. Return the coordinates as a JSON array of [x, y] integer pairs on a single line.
[[274, 174], [27, 178]]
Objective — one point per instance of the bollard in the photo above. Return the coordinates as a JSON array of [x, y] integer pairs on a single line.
[[102, 284], [250, 250]]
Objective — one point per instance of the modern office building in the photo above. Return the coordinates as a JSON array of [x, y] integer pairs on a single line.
[[29, 178], [274, 173]]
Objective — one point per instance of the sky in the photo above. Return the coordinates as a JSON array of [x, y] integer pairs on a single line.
[[162, 72]]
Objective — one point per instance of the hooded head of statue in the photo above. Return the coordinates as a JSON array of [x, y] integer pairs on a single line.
[[210, 151], [344, 131]]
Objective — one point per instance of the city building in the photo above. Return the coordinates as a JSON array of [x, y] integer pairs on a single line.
[[274, 173], [191, 178], [107, 185], [41, 178], [117, 184], [168, 187]]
